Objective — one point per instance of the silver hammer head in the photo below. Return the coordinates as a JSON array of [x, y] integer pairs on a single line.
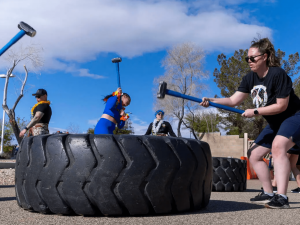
[[162, 89], [28, 29], [116, 60]]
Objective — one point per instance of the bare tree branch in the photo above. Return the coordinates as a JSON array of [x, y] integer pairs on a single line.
[[29, 54], [184, 74], [22, 89]]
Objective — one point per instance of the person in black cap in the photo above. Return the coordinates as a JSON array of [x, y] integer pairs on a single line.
[[40, 114]]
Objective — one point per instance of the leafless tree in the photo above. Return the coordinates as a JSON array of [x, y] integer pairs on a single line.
[[73, 128], [30, 55], [183, 73]]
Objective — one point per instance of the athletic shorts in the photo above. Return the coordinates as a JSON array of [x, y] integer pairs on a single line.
[[104, 126], [290, 128]]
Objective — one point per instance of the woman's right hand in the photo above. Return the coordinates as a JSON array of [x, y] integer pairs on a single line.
[[119, 90], [205, 102]]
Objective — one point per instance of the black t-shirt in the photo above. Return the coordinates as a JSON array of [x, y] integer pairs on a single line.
[[264, 91], [46, 109], [165, 128]]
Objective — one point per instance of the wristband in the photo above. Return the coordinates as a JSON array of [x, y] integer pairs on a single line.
[[26, 128]]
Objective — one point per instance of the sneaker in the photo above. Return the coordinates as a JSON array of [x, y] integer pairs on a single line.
[[296, 190], [278, 202], [275, 189], [261, 198]]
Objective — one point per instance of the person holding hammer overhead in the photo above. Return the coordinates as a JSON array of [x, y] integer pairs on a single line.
[[113, 113]]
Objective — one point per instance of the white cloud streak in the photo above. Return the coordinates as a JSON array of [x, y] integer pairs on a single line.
[[75, 31]]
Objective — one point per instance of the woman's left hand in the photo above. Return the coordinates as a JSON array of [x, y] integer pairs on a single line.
[[122, 112], [248, 113]]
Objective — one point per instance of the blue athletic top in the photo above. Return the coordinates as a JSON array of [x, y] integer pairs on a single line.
[[113, 108]]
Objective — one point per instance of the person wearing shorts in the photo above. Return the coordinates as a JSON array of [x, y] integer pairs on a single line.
[[293, 155], [274, 99], [113, 113]]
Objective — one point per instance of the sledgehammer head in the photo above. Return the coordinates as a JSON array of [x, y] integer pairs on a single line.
[[116, 60], [162, 89], [28, 29]]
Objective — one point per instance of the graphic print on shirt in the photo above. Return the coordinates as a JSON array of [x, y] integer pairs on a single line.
[[259, 96]]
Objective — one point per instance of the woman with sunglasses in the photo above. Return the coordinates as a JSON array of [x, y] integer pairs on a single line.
[[159, 127], [113, 113], [274, 99]]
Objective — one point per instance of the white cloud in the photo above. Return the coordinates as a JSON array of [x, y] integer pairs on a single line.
[[55, 129], [140, 126], [93, 121], [78, 31]]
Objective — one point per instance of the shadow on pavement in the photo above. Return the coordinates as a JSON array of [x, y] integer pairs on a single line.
[[7, 186], [7, 199], [216, 206]]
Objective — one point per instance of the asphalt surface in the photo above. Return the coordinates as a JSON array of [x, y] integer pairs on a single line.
[[224, 208]]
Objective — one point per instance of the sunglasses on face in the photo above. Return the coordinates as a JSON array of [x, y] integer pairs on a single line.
[[252, 58], [37, 96], [160, 114]]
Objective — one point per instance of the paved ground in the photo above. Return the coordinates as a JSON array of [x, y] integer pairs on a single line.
[[224, 208]]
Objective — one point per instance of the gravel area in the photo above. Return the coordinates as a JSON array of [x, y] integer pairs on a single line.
[[7, 176]]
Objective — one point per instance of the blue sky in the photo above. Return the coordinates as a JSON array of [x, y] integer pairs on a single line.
[[79, 39]]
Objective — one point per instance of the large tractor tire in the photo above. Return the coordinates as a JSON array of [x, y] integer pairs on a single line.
[[112, 174], [229, 174]]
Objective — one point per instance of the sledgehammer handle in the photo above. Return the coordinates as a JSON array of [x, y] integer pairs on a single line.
[[177, 94], [13, 41], [118, 75]]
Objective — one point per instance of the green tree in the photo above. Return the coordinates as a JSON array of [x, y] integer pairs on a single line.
[[91, 130], [9, 133], [202, 122], [228, 79], [127, 129]]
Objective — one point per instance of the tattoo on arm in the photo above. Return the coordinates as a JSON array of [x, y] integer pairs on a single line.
[[35, 120]]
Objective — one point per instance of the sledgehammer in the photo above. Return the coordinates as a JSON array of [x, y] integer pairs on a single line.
[[24, 29], [162, 91], [117, 60]]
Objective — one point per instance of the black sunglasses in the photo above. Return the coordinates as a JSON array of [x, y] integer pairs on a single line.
[[252, 58], [37, 96], [160, 114]]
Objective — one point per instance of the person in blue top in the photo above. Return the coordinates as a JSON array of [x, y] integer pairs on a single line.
[[113, 113]]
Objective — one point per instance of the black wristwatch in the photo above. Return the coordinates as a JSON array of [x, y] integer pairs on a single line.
[[26, 128], [256, 112]]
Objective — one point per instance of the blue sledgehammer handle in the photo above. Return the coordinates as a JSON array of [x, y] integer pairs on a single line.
[[177, 94], [118, 75], [13, 41]]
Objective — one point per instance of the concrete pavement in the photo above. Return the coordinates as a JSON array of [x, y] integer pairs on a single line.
[[224, 208]]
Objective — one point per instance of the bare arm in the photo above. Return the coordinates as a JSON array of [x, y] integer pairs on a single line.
[[236, 99], [38, 115], [279, 107]]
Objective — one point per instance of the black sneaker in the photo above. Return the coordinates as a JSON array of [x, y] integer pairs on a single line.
[[296, 190], [278, 202], [261, 198]]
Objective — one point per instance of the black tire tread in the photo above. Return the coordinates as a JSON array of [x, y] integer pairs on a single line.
[[229, 174], [112, 174]]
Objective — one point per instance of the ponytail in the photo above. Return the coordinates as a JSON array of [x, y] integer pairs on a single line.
[[264, 45]]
